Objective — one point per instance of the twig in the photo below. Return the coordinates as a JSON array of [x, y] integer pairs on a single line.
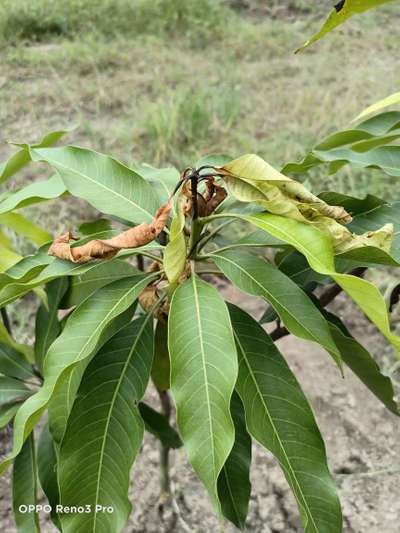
[[165, 483], [325, 299]]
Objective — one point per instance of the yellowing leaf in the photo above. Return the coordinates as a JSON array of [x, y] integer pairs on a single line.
[[175, 251], [378, 106], [251, 167]]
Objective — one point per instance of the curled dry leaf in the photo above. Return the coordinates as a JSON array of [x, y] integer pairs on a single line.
[[149, 298], [207, 203], [108, 248]]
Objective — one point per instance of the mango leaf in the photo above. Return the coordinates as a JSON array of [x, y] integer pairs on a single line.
[[175, 251], [360, 361], [162, 180], [13, 390], [25, 487], [7, 412], [22, 158], [342, 11], [108, 185], [34, 193], [259, 278], [105, 430], [103, 273], [234, 485], [5, 338], [378, 106], [203, 375], [25, 227], [26, 268], [13, 364], [279, 417], [157, 424], [78, 342], [160, 371], [8, 258], [317, 248], [47, 471], [47, 326]]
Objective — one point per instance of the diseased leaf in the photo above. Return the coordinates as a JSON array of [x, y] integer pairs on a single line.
[[48, 327], [33, 193], [22, 158], [107, 248], [78, 342], [25, 487], [105, 431], [108, 185], [160, 371], [342, 11], [157, 424], [259, 278], [279, 417], [203, 375], [13, 364], [47, 471], [234, 485]]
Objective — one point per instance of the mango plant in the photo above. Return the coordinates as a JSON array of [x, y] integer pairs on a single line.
[[108, 326]]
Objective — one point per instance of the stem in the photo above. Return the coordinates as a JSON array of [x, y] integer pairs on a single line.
[[6, 320], [215, 231]]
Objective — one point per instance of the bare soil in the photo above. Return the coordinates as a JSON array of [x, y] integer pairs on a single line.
[[363, 445]]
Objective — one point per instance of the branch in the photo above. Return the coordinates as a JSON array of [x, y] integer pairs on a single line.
[[325, 299]]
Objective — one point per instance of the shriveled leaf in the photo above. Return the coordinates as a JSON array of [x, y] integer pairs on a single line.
[[175, 251], [160, 371], [234, 485], [203, 374], [259, 278], [108, 248], [378, 106], [34, 193], [47, 326], [25, 488], [108, 185], [105, 431], [83, 285], [78, 342], [22, 158], [47, 471], [13, 364], [279, 417], [157, 424], [342, 11]]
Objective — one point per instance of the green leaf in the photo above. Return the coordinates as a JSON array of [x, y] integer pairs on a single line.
[[34, 193], [342, 12], [48, 327], [78, 342], [13, 390], [8, 258], [47, 471], [378, 106], [160, 371], [317, 249], [21, 158], [259, 278], [360, 361], [105, 430], [203, 375], [7, 412], [175, 251], [5, 338], [234, 485], [84, 285], [163, 180], [25, 487], [157, 424], [279, 417], [13, 364], [25, 227], [108, 185]]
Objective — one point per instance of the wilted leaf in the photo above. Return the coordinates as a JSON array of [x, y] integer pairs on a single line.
[[279, 417], [203, 374], [105, 431]]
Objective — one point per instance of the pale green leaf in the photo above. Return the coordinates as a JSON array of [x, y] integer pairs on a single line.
[[105, 431], [25, 227], [5, 338], [203, 374], [7, 412], [77, 342], [175, 251], [234, 485], [378, 106], [279, 417], [25, 488]]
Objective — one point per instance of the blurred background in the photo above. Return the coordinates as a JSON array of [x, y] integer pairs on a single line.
[[166, 82]]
